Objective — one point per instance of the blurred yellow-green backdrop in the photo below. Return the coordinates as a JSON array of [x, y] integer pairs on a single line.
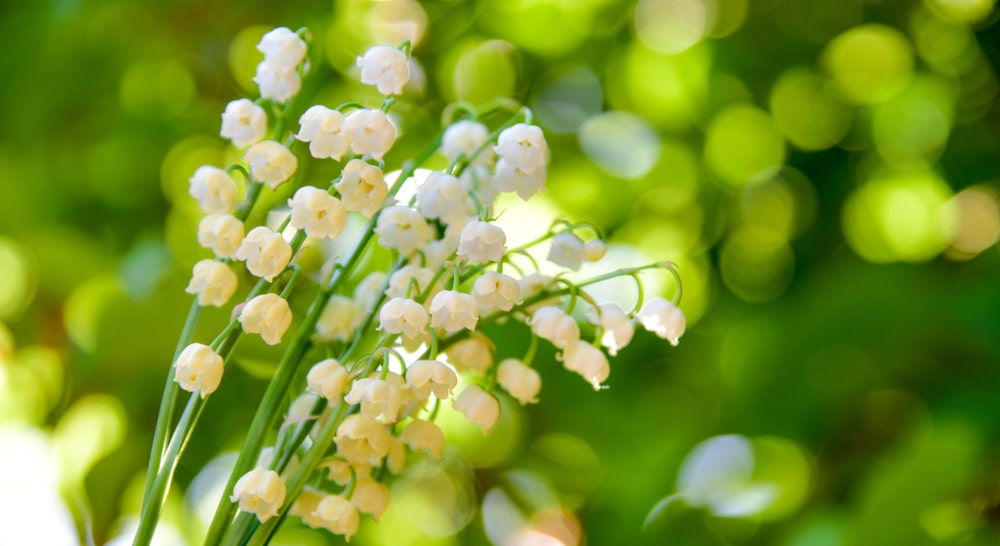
[[825, 173]]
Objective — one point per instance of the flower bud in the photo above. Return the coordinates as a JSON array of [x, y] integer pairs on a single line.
[[259, 492], [594, 250], [328, 379], [479, 407], [494, 290], [362, 187], [588, 361], [271, 163], [520, 380], [663, 318], [213, 282], [223, 233], [427, 376], [322, 128], [370, 132], [267, 315], [266, 253], [198, 368], [453, 311], [566, 250], [553, 324], [317, 212], [243, 123], [214, 189], [617, 326], [482, 242], [386, 68]]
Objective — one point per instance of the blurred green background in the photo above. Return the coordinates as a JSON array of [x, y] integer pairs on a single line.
[[824, 172]]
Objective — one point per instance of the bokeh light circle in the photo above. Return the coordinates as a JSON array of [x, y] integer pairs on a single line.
[[869, 63], [622, 144], [742, 141], [671, 26]]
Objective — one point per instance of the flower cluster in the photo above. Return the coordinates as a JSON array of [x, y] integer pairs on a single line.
[[368, 408]]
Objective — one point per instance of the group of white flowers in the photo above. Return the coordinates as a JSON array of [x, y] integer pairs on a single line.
[[450, 281]]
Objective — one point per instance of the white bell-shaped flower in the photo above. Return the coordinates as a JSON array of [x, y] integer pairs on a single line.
[[430, 376], [588, 361], [340, 318], [370, 132], [243, 123], [663, 318], [472, 353], [534, 283], [283, 48], [524, 183], [425, 436], [362, 439], [403, 316], [277, 83], [494, 290], [367, 292], [265, 252], [522, 381], [198, 369], [267, 315], [317, 212], [482, 242], [553, 324], [271, 163], [566, 250], [414, 278], [338, 515], [463, 138], [523, 146], [594, 250], [362, 187], [223, 233], [377, 397], [480, 181], [453, 310], [329, 379], [322, 128], [214, 189], [213, 282], [616, 324], [443, 196], [386, 68], [479, 407], [260, 492], [402, 228], [371, 497]]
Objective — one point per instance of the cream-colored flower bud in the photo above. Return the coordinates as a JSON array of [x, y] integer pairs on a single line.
[[443, 196], [276, 83], [198, 369], [520, 380], [371, 497], [271, 163], [362, 439], [368, 291], [339, 320], [482, 242], [472, 353], [305, 506], [267, 315], [265, 252], [213, 282], [424, 435], [243, 123], [430, 376], [534, 283], [317, 212], [463, 138], [370, 132], [362, 187], [402, 228], [403, 316], [328, 379], [260, 492], [338, 515], [223, 233], [453, 310], [617, 326], [594, 250], [525, 184], [282, 47], [663, 318], [419, 277], [479, 407], [386, 68], [322, 128], [553, 324], [377, 397], [588, 361], [214, 189], [494, 290], [566, 250], [523, 146]]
